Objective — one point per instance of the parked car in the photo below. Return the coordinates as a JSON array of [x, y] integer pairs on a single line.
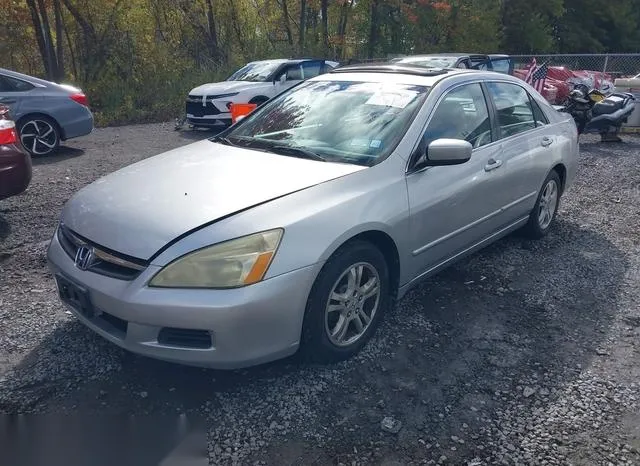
[[15, 162], [629, 82], [492, 62], [300, 225], [45, 112], [256, 82]]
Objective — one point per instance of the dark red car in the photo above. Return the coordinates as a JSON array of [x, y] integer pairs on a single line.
[[15, 161]]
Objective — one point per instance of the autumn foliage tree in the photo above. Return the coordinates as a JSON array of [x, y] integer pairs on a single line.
[[137, 58]]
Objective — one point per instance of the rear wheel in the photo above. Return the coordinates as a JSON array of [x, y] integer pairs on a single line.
[[544, 212], [39, 135], [346, 303]]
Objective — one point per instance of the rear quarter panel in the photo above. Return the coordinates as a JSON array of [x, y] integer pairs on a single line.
[[72, 118]]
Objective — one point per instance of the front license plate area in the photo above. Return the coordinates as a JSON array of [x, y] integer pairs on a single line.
[[75, 296]]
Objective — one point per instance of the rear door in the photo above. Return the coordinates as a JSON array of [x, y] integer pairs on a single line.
[[17, 94], [527, 140]]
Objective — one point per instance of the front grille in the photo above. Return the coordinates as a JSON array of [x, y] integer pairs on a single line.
[[105, 262], [194, 107], [184, 337]]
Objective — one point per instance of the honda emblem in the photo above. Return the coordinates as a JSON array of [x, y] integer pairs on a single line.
[[84, 257]]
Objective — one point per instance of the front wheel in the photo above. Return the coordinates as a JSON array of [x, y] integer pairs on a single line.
[[258, 100], [544, 212], [346, 303]]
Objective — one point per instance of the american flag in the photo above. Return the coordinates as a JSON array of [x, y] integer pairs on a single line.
[[537, 75]]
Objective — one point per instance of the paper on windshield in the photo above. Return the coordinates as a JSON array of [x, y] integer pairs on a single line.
[[396, 99]]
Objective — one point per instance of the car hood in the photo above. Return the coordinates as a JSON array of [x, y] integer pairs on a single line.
[[223, 87], [139, 209]]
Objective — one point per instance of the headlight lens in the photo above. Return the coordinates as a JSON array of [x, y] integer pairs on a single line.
[[231, 264]]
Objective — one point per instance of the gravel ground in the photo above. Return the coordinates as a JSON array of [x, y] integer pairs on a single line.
[[526, 353]]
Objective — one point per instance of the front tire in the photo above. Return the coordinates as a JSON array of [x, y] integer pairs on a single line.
[[258, 100], [544, 212], [346, 303], [39, 135]]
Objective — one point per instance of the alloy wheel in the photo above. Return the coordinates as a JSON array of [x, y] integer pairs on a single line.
[[548, 204], [39, 137], [352, 304]]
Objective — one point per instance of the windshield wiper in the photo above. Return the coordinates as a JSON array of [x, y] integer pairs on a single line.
[[296, 152], [223, 140]]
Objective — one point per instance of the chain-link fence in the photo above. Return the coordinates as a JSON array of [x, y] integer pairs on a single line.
[[616, 64]]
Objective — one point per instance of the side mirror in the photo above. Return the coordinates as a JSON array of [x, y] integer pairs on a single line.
[[447, 152]]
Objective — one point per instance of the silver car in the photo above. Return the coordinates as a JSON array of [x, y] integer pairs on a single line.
[[45, 112], [302, 224]]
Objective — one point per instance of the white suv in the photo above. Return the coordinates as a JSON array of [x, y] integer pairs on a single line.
[[255, 83]]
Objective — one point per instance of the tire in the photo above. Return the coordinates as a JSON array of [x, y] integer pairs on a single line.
[[317, 345], [539, 225], [258, 100], [39, 135]]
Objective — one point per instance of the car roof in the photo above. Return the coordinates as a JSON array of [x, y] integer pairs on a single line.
[[291, 61], [409, 74]]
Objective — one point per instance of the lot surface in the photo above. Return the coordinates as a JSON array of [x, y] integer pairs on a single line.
[[526, 353]]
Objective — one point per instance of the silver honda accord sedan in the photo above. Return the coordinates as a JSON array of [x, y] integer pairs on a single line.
[[301, 225]]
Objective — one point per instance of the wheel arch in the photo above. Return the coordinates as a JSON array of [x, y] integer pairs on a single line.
[[29, 116], [383, 242], [561, 170], [258, 98]]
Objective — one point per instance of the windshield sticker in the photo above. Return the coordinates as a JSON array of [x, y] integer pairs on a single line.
[[398, 99], [375, 143], [359, 142]]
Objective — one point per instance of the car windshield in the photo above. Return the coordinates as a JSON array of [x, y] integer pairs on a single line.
[[336, 121], [258, 71], [429, 62]]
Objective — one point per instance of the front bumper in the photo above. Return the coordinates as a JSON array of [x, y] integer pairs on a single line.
[[212, 113], [248, 326]]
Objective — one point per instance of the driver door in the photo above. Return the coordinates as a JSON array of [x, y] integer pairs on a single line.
[[454, 207]]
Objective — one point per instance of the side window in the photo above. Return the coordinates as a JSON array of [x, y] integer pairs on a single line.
[[501, 65], [513, 107], [311, 69], [461, 114], [294, 73], [8, 84], [538, 114], [5, 86]]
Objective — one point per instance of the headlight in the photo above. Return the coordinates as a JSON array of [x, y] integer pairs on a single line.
[[231, 264]]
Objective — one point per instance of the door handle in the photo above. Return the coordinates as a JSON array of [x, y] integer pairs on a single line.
[[492, 165], [546, 141], [6, 100]]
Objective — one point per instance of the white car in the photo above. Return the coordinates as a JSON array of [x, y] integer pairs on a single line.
[[255, 83]]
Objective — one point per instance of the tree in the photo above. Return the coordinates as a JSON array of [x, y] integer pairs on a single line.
[[52, 53], [529, 26]]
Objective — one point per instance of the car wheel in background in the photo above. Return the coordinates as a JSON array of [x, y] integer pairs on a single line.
[[346, 303], [258, 100], [544, 212], [39, 135]]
